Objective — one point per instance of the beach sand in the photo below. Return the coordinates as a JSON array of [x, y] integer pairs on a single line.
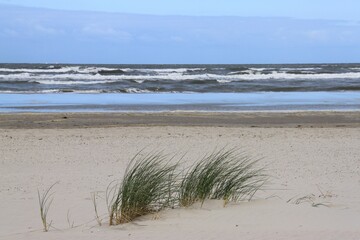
[[313, 160]]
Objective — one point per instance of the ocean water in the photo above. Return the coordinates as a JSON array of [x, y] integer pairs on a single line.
[[48, 88]]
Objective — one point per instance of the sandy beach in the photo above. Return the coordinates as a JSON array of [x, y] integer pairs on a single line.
[[312, 158]]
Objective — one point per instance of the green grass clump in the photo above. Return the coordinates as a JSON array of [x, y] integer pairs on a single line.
[[45, 201], [225, 174], [148, 186]]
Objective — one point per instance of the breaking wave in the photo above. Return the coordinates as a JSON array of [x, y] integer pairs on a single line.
[[177, 78]]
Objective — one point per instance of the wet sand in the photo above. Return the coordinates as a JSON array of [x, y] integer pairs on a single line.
[[244, 119]]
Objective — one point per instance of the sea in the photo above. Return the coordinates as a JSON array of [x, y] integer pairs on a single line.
[[154, 88]]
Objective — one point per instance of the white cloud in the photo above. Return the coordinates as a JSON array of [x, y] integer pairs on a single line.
[[317, 35], [47, 30], [235, 38], [10, 32], [106, 32], [177, 39]]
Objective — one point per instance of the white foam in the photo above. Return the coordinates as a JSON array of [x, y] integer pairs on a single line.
[[17, 76], [50, 70], [224, 81], [58, 70], [235, 73], [69, 82], [290, 76], [136, 90], [260, 69], [241, 72], [139, 81], [50, 91], [170, 70], [98, 79], [301, 69], [161, 72], [90, 70]]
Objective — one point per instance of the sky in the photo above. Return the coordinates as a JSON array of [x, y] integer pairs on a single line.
[[177, 32]]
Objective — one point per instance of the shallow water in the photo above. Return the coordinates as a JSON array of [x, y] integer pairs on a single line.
[[154, 102]]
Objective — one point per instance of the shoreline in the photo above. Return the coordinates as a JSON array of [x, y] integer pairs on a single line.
[[294, 119]]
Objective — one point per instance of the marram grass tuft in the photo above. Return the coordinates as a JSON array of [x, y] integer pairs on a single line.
[[151, 184], [148, 186], [226, 174]]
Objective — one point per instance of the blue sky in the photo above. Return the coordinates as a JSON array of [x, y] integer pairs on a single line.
[[259, 31]]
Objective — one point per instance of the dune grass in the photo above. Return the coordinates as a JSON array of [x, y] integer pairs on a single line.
[[151, 183], [226, 174], [148, 186], [45, 201], [97, 217]]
